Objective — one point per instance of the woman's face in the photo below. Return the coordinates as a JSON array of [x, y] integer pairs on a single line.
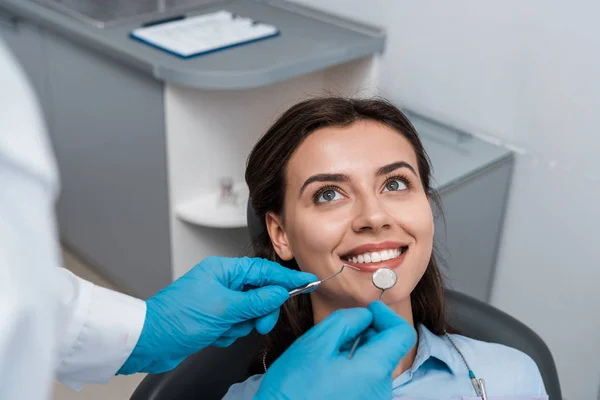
[[354, 195]]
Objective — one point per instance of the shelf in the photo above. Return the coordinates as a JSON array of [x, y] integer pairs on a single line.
[[207, 211]]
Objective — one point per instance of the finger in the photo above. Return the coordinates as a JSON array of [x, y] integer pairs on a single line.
[[260, 272], [239, 330], [369, 334], [258, 302], [388, 346], [364, 337], [340, 327], [266, 323], [384, 317], [224, 342]]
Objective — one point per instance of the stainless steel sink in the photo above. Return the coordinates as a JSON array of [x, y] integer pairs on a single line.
[[106, 13]]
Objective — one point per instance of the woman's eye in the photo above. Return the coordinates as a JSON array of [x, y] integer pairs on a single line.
[[394, 185], [328, 195]]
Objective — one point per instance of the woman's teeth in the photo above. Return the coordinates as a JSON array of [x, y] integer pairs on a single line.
[[376, 256]]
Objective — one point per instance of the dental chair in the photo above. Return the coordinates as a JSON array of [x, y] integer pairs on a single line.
[[208, 374]]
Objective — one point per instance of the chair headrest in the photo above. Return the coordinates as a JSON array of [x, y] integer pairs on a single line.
[[255, 227]]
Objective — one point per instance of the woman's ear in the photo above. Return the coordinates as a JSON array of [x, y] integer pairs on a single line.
[[278, 236]]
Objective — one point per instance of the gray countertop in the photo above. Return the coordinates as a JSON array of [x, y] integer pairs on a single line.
[[310, 41]]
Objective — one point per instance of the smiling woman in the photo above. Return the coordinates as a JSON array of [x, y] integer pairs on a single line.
[[346, 181]]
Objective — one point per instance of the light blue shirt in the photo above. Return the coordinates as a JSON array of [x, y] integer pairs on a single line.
[[439, 373]]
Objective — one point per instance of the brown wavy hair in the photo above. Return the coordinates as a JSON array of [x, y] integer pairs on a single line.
[[265, 176]]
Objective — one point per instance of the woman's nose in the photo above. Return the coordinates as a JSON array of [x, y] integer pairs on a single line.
[[370, 215]]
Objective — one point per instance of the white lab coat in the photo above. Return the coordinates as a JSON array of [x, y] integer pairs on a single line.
[[52, 324]]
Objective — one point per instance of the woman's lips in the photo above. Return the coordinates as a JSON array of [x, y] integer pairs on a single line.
[[374, 266]]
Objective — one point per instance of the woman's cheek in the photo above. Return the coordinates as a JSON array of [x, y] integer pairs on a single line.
[[314, 239], [417, 220], [300, 243]]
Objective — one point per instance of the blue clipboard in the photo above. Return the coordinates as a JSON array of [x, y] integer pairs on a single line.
[[188, 37]]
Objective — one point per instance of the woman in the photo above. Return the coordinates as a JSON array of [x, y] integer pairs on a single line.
[[345, 181]]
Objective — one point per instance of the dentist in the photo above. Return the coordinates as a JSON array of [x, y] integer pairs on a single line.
[[56, 325]]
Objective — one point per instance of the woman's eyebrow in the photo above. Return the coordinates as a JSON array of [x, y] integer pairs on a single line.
[[386, 169], [324, 178]]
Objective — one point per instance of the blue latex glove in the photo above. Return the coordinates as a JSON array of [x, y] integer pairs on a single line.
[[316, 367], [210, 305]]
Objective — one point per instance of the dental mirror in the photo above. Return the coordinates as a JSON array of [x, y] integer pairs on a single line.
[[383, 279]]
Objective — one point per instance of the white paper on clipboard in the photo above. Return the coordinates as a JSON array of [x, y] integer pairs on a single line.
[[194, 36]]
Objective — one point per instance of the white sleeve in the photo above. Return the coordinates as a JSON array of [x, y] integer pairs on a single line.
[[51, 322], [101, 328]]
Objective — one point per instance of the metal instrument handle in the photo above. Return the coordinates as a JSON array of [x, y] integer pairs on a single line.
[[304, 289], [359, 338]]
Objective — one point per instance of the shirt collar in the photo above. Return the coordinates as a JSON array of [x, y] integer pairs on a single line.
[[439, 347]]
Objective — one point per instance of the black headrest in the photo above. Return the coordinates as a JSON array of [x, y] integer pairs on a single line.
[[255, 226]]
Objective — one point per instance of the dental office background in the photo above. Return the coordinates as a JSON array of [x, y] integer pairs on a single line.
[[524, 74]]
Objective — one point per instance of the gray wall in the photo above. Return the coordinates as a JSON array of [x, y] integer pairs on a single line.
[[530, 78]]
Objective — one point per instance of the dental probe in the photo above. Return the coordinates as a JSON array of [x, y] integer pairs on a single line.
[[309, 287]]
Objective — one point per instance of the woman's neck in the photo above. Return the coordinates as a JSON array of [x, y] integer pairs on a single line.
[[322, 310]]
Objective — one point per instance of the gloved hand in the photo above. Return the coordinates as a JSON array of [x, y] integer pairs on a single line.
[[211, 305], [315, 366]]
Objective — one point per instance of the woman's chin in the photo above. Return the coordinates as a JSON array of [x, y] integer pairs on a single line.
[[339, 300], [366, 297], [391, 298], [358, 296]]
